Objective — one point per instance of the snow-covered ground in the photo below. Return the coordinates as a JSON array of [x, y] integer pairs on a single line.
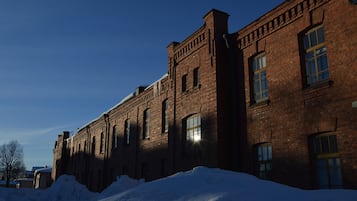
[[198, 184]]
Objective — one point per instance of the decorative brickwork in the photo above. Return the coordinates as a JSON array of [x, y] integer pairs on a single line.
[[302, 133]]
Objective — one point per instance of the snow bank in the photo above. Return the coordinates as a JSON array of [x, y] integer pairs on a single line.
[[196, 185]]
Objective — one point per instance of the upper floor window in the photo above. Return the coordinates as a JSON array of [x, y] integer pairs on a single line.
[[93, 145], [315, 55], [127, 131], [115, 137], [326, 161], [165, 116], [193, 128], [184, 83], [102, 143], [196, 77], [264, 160], [146, 126], [259, 81]]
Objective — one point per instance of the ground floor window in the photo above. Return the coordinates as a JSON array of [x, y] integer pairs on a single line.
[[326, 161], [263, 160]]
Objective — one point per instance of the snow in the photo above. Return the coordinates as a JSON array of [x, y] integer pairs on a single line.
[[201, 183], [44, 170]]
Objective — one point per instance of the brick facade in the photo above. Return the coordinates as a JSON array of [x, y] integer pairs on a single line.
[[210, 78]]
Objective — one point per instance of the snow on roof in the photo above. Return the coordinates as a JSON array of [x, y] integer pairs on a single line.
[[128, 97], [43, 170]]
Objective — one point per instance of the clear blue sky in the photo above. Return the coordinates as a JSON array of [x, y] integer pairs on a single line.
[[64, 62]]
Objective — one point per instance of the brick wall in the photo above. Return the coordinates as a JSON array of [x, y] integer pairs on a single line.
[[232, 123]]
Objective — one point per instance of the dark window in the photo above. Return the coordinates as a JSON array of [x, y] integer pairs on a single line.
[[184, 83], [115, 137], [264, 155], [315, 55], [127, 132], [93, 145], [326, 161], [259, 78], [193, 128], [196, 77], [146, 126], [165, 116], [101, 143]]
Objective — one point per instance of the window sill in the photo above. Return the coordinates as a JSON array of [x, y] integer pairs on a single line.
[[265, 102], [319, 85]]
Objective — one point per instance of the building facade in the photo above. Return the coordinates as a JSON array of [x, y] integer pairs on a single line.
[[272, 99]]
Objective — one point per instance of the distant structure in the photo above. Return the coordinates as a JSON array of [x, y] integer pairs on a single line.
[[272, 99], [42, 178]]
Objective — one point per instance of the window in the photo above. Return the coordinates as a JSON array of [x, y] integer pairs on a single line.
[[165, 116], [196, 77], [264, 160], [115, 137], [127, 132], [93, 145], [101, 143], [315, 54], [259, 81], [326, 161], [193, 128], [146, 133], [184, 83]]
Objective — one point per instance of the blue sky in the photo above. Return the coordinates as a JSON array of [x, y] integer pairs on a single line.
[[63, 63]]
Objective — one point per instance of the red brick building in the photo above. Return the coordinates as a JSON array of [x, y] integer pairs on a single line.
[[273, 99]]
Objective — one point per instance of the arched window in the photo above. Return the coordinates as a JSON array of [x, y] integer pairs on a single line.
[[115, 137], [192, 125], [101, 143], [165, 116], [127, 132], [93, 145], [146, 126]]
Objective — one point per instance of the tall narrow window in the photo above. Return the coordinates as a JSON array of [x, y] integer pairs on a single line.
[[115, 137], [127, 132], [165, 116], [196, 77], [316, 66], [326, 160], [101, 143], [193, 128], [146, 126], [264, 160], [259, 81], [93, 145], [184, 83]]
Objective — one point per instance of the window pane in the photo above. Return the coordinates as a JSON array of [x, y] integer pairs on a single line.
[[324, 144], [335, 172], [265, 153], [316, 143], [264, 62], [270, 153], [321, 35], [333, 144], [313, 40], [306, 42], [322, 174]]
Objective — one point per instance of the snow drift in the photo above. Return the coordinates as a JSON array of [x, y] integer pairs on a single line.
[[198, 184]]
